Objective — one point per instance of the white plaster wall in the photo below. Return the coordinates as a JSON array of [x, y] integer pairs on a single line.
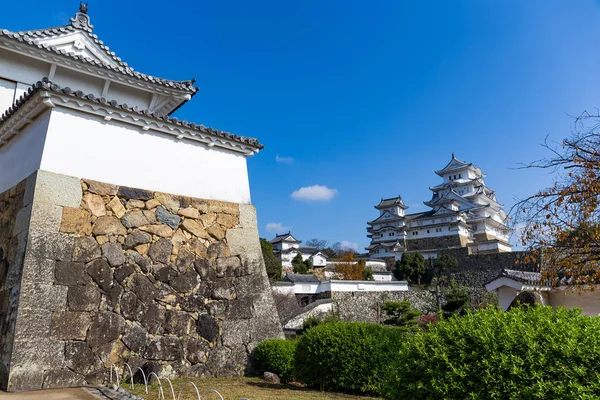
[[382, 277], [319, 261], [7, 94], [125, 94], [368, 286], [588, 302], [22, 155], [282, 288], [307, 288], [88, 147], [18, 68], [76, 81], [506, 295], [298, 321]]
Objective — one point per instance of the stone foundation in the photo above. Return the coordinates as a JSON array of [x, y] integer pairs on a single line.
[[115, 274], [440, 242]]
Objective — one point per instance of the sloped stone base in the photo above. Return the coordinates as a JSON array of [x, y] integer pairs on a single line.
[[115, 274]]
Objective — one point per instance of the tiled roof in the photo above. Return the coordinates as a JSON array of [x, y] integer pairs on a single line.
[[301, 278], [46, 84], [532, 278], [282, 237], [384, 203], [29, 38]]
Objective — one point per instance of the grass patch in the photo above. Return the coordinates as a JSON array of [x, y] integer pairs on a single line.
[[237, 388]]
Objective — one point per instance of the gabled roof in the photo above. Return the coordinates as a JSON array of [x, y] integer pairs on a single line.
[[394, 201], [385, 217], [301, 278], [199, 133], [285, 237], [77, 42], [455, 164]]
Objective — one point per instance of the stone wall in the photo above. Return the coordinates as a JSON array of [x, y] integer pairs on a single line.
[[14, 220], [174, 284], [366, 306], [440, 242]]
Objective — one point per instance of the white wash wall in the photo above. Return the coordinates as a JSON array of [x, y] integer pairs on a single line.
[[86, 146], [22, 154]]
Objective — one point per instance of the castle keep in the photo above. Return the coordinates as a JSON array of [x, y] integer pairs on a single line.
[[125, 235], [464, 214]]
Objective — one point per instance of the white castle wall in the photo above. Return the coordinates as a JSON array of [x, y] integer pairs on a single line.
[[86, 146]]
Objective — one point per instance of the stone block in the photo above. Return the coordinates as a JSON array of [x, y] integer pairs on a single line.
[[189, 212], [83, 298], [123, 272], [70, 325], [207, 327], [132, 193], [236, 332], [224, 290], [77, 221], [243, 241], [137, 237], [33, 323], [131, 308], [196, 351], [79, 357], [22, 220], [106, 327], [137, 218], [177, 323], [94, 204], [24, 378], [142, 287], [158, 230], [62, 378], [100, 188], [71, 273], [169, 201], [165, 217], [164, 348], [153, 318], [39, 270], [101, 273], [185, 282], [113, 254], [109, 225], [135, 338], [160, 251], [38, 354], [43, 297], [116, 207], [48, 245], [85, 249], [195, 228], [57, 189]]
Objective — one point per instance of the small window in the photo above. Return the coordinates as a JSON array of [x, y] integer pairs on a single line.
[[427, 230]]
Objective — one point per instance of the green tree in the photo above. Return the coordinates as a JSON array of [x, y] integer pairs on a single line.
[[272, 263], [401, 314], [439, 273], [300, 267], [458, 301], [368, 275], [411, 267]]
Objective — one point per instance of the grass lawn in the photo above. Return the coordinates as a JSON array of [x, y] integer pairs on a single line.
[[237, 388]]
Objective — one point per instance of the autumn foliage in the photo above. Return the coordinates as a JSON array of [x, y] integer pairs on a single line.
[[563, 220], [349, 269]]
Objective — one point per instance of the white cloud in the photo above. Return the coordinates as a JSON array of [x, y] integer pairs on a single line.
[[314, 193], [276, 227], [346, 244], [284, 160]]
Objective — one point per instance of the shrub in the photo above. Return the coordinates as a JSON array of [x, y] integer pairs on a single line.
[[525, 353], [277, 356], [346, 356]]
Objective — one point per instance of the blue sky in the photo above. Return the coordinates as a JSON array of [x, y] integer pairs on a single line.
[[363, 98]]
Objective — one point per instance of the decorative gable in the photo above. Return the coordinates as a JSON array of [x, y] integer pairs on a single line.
[[79, 44]]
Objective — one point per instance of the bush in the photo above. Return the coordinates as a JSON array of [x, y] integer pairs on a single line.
[[346, 356], [525, 353], [277, 356]]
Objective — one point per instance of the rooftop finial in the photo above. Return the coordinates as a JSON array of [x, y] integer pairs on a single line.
[[453, 155], [82, 19]]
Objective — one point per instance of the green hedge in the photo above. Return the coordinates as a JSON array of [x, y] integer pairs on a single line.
[[277, 356], [349, 357], [525, 353]]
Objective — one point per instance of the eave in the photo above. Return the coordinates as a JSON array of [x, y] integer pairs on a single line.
[[44, 94]]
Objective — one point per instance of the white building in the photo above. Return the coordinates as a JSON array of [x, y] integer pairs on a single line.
[[464, 213], [512, 283], [286, 247]]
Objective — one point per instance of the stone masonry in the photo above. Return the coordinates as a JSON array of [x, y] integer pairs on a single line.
[[111, 274]]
